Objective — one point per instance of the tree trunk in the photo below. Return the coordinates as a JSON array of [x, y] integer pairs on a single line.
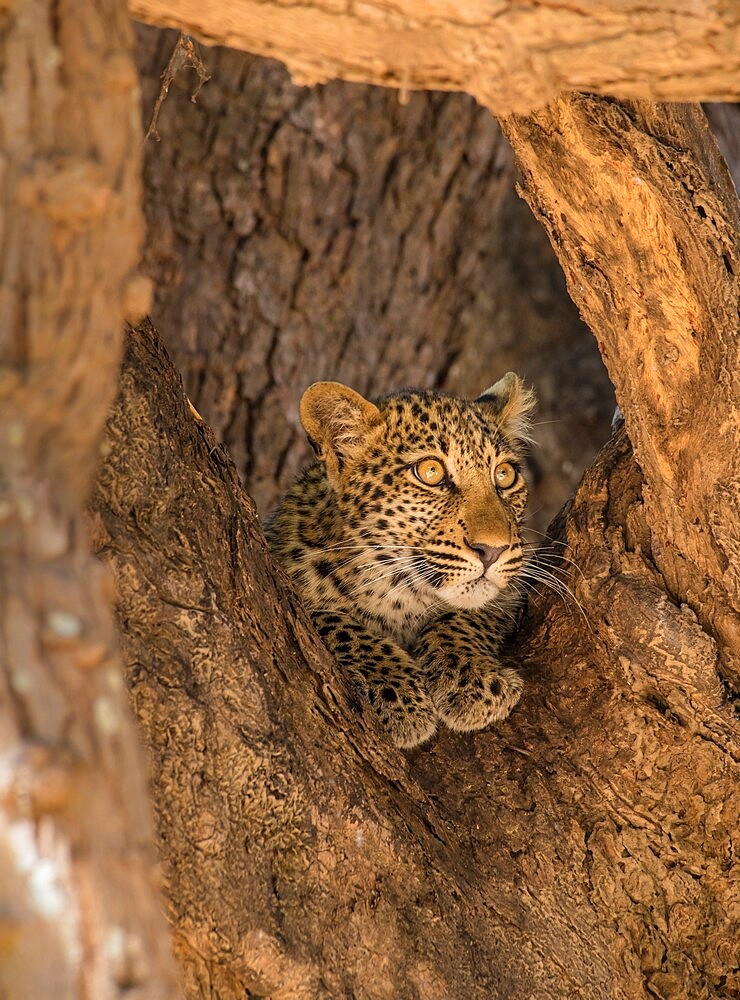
[[305, 857], [510, 57], [336, 233], [79, 903]]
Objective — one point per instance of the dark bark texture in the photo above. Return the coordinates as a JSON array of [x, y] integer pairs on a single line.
[[581, 849], [724, 120], [299, 234]]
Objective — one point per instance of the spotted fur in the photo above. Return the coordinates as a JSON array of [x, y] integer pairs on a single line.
[[411, 585]]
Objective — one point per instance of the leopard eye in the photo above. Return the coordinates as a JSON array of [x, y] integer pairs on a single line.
[[505, 475], [430, 471]]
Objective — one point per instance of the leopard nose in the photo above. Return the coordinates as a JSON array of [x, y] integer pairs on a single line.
[[488, 554]]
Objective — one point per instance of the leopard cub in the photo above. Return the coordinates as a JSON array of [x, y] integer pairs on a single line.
[[404, 541]]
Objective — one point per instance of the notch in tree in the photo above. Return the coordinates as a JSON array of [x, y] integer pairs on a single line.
[[583, 845]]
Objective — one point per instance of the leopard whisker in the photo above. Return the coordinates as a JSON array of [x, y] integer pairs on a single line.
[[556, 585], [423, 575], [427, 612], [359, 549], [387, 569], [542, 534], [545, 576], [369, 545], [416, 576], [365, 584], [540, 557]]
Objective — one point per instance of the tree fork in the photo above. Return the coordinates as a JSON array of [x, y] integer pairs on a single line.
[[273, 786], [629, 185]]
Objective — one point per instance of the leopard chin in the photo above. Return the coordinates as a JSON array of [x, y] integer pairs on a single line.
[[470, 595]]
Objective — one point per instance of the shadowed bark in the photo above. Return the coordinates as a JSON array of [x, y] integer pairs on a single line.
[[296, 235], [725, 122]]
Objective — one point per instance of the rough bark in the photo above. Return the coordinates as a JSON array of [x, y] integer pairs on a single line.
[[655, 273], [582, 848], [79, 908], [298, 234], [511, 57]]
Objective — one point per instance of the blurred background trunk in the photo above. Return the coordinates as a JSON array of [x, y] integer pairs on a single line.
[[80, 910]]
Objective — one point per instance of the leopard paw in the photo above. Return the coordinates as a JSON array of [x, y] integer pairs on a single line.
[[406, 712], [476, 698]]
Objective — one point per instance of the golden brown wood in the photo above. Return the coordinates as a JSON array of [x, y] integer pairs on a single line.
[[643, 216], [511, 57]]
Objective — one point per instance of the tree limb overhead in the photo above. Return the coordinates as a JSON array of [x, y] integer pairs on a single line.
[[511, 57]]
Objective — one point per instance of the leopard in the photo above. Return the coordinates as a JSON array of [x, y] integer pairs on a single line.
[[404, 541]]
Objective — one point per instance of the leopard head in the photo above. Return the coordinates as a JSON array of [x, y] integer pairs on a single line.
[[428, 484]]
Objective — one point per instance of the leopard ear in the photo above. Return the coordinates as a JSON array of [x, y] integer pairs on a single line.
[[336, 419], [511, 404]]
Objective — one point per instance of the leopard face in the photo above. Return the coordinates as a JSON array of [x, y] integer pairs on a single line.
[[415, 505], [437, 492]]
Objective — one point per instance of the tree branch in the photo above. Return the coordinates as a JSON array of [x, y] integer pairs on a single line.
[[511, 57], [642, 214]]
